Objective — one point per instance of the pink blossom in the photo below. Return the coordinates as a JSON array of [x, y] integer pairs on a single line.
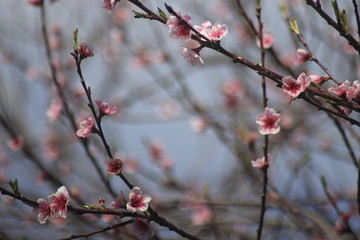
[[166, 162], [177, 28], [51, 147], [156, 149], [260, 162], [302, 56], [317, 80], [85, 50], [142, 228], [203, 215], [109, 4], [232, 90], [114, 166], [294, 87], [35, 2], [191, 52], [138, 201], [268, 122], [102, 202], [212, 32], [105, 108], [345, 110], [353, 91], [130, 164], [16, 143], [119, 202], [86, 128], [268, 39], [59, 202], [168, 110], [54, 110], [340, 90], [44, 210], [199, 124]]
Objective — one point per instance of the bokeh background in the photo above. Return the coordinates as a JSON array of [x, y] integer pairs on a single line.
[[206, 184]]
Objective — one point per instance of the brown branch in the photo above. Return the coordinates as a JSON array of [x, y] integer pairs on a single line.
[[317, 7], [88, 234]]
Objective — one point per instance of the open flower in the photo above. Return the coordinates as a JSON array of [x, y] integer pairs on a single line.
[[293, 87], [179, 29], [268, 122], [114, 166], [86, 128], [138, 201], [105, 108], [59, 202], [43, 210], [213, 32]]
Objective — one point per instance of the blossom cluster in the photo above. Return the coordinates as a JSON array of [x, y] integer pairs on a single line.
[[179, 29], [57, 206], [347, 91]]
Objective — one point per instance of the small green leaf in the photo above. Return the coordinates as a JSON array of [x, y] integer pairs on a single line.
[[336, 9], [14, 186], [323, 183], [89, 206], [294, 26], [141, 15], [284, 10], [344, 21], [162, 14], [75, 34]]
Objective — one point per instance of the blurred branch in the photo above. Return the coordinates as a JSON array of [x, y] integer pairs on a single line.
[[61, 94]]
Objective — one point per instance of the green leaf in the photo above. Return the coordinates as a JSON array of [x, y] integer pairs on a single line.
[[284, 10], [89, 206], [141, 15], [344, 21], [323, 183], [294, 26], [75, 35], [14, 186], [336, 9], [162, 14]]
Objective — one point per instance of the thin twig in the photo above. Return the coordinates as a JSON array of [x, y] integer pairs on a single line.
[[62, 97], [88, 234], [313, 58], [266, 137]]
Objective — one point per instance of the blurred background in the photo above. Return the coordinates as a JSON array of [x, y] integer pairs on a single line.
[[201, 119]]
